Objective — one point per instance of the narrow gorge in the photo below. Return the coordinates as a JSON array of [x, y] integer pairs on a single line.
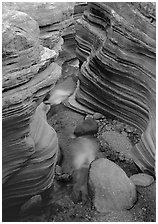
[[70, 71]]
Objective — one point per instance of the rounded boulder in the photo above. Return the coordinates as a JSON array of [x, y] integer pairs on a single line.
[[111, 188]]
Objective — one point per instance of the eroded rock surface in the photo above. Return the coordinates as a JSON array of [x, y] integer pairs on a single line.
[[116, 43], [30, 145], [56, 21]]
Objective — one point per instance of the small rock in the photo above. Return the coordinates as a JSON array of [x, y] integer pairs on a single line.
[[113, 190], [98, 116], [88, 116], [108, 127], [142, 179], [32, 203], [64, 177], [129, 129], [124, 133], [87, 127], [58, 170]]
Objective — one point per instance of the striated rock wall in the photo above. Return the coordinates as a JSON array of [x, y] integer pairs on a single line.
[[33, 36], [30, 145], [117, 44], [56, 21], [52, 17]]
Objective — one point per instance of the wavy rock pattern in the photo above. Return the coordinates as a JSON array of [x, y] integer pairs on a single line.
[[30, 145], [56, 21], [117, 40]]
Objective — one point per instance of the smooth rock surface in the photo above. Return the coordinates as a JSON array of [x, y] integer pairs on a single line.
[[32, 203], [30, 145], [112, 189], [142, 179], [87, 127]]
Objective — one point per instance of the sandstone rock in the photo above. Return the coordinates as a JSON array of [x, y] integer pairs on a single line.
[[112, 189], [45, 13], [58, 170], [88, 116], [32, 203], [74, 105], [118, 74], [87, 127], [142, 179], [20, 49], [79, 9], [30, 144], [98, 116], [55, 20]]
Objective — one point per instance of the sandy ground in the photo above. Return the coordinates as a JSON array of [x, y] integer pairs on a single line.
[[61, 208]]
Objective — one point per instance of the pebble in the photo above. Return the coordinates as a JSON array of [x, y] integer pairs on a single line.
[[88, 116], [108, 127], [142, 179], [98, 116]]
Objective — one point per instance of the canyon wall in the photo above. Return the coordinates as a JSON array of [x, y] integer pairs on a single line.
[[32, 38], [56, 22], [116, 42]]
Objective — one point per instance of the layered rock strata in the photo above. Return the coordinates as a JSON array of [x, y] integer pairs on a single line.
[[116, 42], [55, 20], [30, 145], [49, 16]]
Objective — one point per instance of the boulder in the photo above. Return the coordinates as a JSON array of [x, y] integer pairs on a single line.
[[112, 189], [142, 179], [87, 127]]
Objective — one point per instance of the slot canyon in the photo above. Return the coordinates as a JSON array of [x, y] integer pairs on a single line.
[[78, 78]]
